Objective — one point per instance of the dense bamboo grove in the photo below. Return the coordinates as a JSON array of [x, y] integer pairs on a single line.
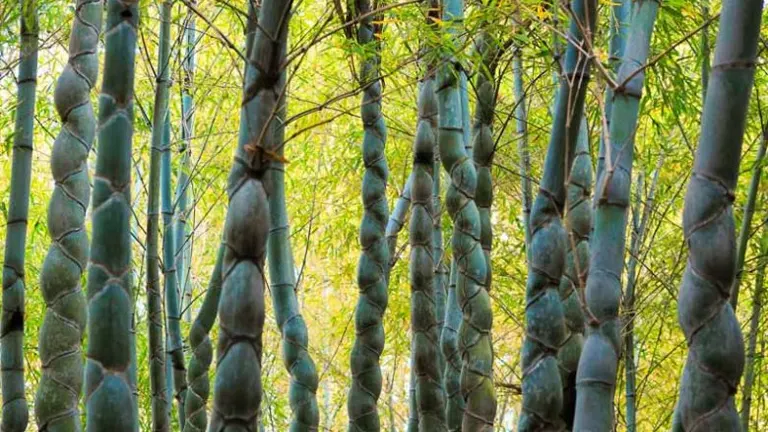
[[417, 215]]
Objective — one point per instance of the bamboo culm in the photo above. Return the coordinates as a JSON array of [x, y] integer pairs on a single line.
[[110, 401], [202, 352], [160, 403], [374, 263], [621, 13], [302, 391], [754, 328], [476, 380], [578, 222], [598, 365], [237, 388], [746, 221], [715, 359], [430, 395], [61, 357], [15, 413], [545, 320], [521, 124]]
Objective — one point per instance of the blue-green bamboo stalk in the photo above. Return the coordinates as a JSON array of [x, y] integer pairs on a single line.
[[620, 15], [15, 410], [430, 395], [449, 342], [58, 396], [374, 260], [578, 222], [157, 370], [746, 221], [237, 389], [521, 123], [754, 324], [639, 227], [396, 222], [109, 371], [596, 376], [302, 391], [472, 297], [15, 413], [545, 321], [715, 359], [202, 351]]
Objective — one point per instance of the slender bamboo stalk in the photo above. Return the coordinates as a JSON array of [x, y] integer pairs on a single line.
[[598, 365], [237, 389], [202, 351], [160, 403], [521, 121], [449, 342], [545, 321], [110, 401], [715, 359], [746, 221], [372, 270], [639, 228], [282, 271], [754, 325], [15, 414], [621, 12], [396, 222], [58, 396]]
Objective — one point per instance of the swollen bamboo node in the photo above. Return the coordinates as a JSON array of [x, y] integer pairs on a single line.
[[237, 389], [373, 266], [110, 401], [715, 358], [56, 401]]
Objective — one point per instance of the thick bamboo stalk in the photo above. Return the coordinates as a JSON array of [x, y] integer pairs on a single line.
[[545, 321], [237, 389], [596, 376], [715, 359], [110, 401]]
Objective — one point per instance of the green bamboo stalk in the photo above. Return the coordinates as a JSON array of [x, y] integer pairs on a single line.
[[237, 389], [521, 122], [372, 270], [715, 359], [449, 342], [621, 13], [746, 221], [545, 321], [472, 297], [754, 326], [396, 222], [202, 352], [109, 371], [430, 395], [299, 364], [596, 376], [705, 52], [160, 407], [639, 227], [15, 413], [578, 222], [58, 395]]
